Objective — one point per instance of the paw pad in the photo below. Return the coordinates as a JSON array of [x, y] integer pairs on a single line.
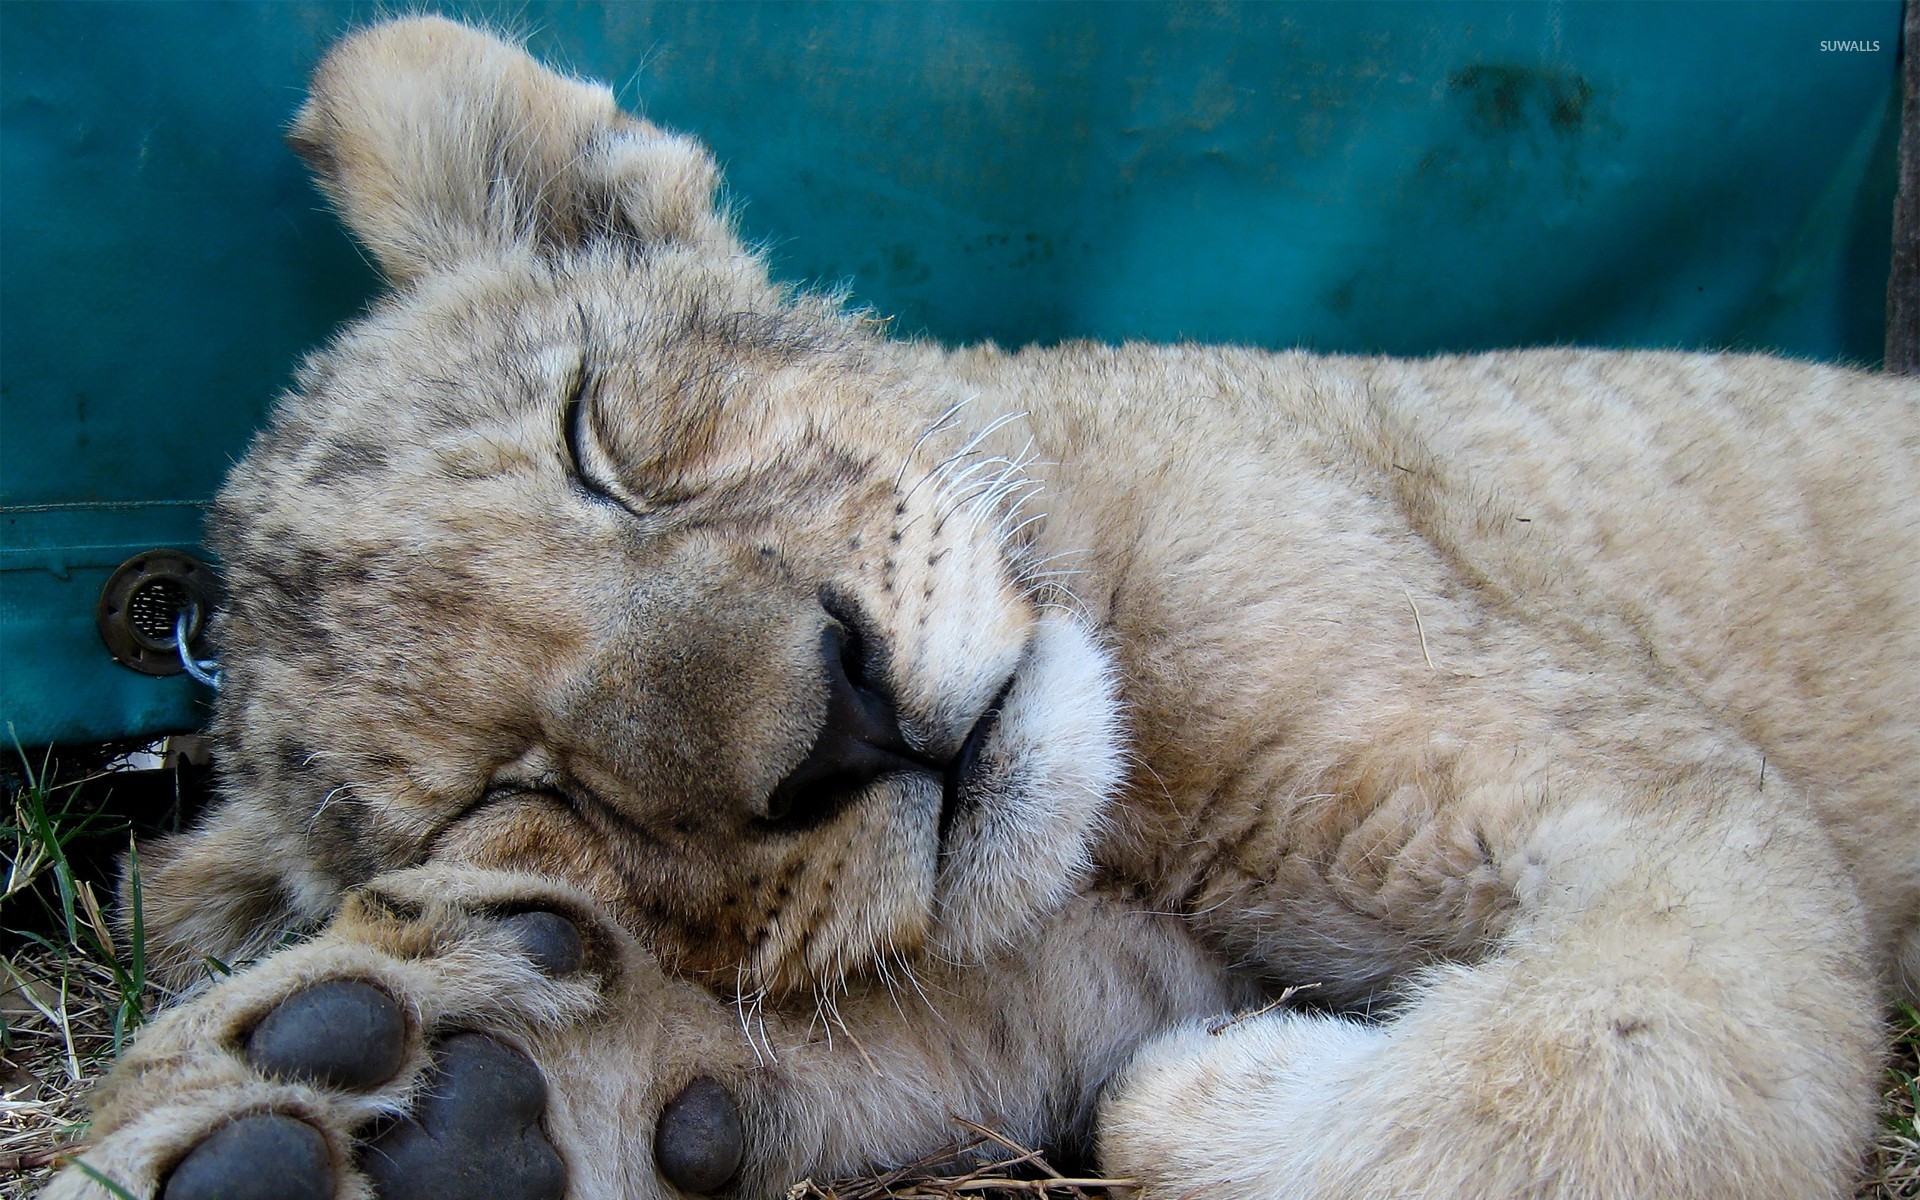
[[261, 1157], [699, 1142], [342, 1034], [549, 939], [474, 1134]]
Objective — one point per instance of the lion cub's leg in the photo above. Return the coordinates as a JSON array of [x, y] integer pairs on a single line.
[[1683, 1006], [459, 1032]]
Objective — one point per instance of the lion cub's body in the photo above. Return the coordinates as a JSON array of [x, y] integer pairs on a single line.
[[1560, 708], [1382, 617], [1603, 665]]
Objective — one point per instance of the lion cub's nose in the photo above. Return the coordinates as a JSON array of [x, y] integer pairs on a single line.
[[859, 741]]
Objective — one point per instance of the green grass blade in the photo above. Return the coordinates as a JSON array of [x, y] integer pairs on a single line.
[[111, 1185]]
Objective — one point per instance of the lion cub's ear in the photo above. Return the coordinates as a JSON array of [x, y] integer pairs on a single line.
[[439, 143]]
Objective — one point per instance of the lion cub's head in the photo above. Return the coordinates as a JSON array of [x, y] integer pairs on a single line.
[[592, 551]]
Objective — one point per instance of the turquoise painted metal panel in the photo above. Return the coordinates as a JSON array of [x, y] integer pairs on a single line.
[[1365, 177]]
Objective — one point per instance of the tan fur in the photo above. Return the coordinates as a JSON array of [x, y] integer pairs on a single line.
[[1558, 706]]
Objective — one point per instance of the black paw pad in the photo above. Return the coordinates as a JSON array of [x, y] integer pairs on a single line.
[[342, 1033], [699, 1142], [549, 939], [474, 1134], [262, 1157]]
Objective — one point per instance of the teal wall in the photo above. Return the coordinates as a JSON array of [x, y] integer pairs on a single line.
[[1358, 176]]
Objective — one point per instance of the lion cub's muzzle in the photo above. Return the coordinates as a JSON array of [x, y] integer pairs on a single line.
[[859, 741]]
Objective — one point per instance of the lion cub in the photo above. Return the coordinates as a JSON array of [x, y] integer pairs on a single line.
[[1553, 715]]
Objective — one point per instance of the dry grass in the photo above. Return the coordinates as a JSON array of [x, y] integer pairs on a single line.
[[59, 1014], [985, 1165], [1893, 1166], [70, 994]]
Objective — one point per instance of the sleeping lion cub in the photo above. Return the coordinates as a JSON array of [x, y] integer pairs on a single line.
[[715, 743]]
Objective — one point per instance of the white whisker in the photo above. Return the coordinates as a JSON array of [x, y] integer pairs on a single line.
[[939, 424]]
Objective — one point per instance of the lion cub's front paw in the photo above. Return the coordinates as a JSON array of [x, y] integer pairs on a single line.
[[475, 1131], [403, 1054]]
